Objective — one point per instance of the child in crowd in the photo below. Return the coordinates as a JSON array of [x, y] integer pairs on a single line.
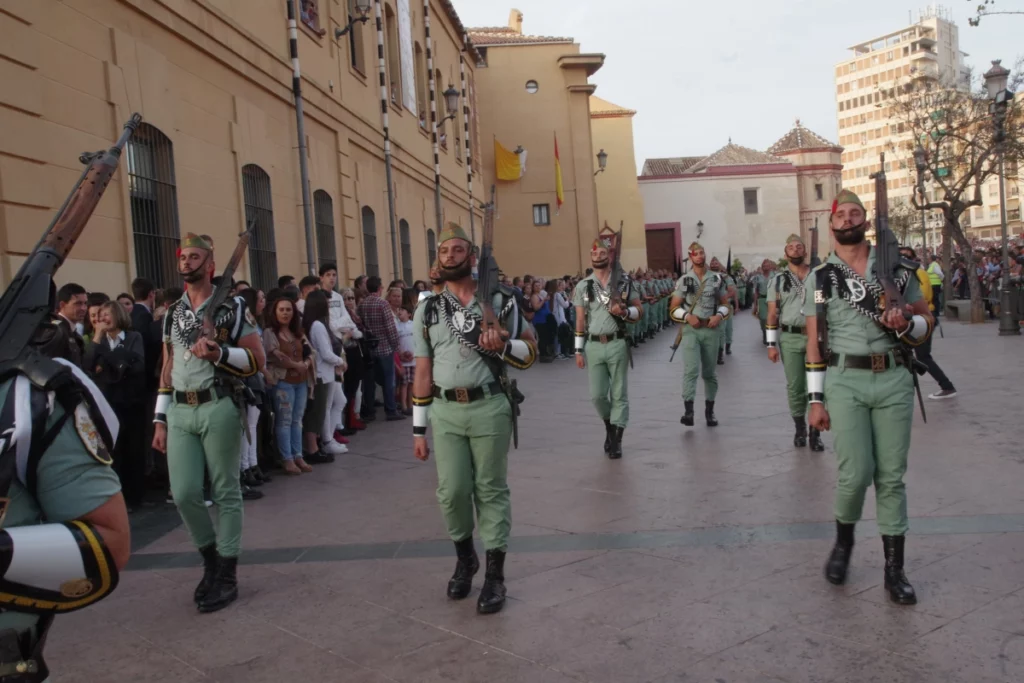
[[407, 362]]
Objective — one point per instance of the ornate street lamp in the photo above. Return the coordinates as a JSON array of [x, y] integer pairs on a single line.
[[602, 162], [451, 102], [362, 15], [700, 228], [996, 80], [920, 162]]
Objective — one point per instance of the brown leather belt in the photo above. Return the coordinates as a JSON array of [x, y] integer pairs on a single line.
[[876, 362]]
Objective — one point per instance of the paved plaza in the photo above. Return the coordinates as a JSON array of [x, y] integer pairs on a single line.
[[697, 557]]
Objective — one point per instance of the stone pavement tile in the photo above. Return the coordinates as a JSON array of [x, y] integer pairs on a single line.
[[629, 604], [798, 656], [539, 634], [301, 662], [996, 573], [1004, 614], [623, 565], [624, 658], [780, 598], [381, 641], [973, 652], [718, 669], [120, 656], [938, 596], [460, 659], [884, 627], [700, 626], [890, 668], [521, 565], [1009, 546], [556, 586]]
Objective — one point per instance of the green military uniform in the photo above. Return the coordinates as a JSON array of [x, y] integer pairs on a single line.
[[606, 351], [760, 282], [869, 394], [725, 344], [700, 296], [472, 421], [787, 291]]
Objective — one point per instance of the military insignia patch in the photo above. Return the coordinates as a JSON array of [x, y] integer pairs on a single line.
[[90, 436]]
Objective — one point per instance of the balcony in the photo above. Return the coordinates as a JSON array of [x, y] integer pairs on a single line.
[[927, 41], [925, 72], [1012, 215], [924, 55]]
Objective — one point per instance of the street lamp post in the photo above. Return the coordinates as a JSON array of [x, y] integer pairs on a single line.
[[362, 15], [996, 80], [602, 162], [920, 162], [451, 104]]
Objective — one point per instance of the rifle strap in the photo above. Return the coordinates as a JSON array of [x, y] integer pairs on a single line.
[[862, 295]]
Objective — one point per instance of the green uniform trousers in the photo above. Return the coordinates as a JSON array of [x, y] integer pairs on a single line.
[[726, 336], [200, 439], [645, 322], [471, 443], [793, 351], [700, 355], [608, 366], [871, 416]]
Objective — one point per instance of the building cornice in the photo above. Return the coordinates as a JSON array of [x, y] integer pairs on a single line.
[[592, 62], [727, 171], [587, 88], [617, 114]]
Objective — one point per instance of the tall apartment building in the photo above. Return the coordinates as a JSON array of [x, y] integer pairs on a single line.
[[865, 84]]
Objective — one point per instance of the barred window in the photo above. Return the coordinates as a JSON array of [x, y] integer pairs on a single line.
[[431, 249], [323, 207], [259, 208], [403, 235], [370, 241], [154, 205]]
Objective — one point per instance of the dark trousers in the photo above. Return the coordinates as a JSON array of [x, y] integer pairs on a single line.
[[937, 298], [924, 354], [354, 374], [382, 371], [130, 451]]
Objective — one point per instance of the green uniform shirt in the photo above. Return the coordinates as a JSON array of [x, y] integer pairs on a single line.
[[852, 332], [729, 282], [70, 484], [789, 304], [600, 320], [688, 286], [454, 365], [760, 283], [193, 374]]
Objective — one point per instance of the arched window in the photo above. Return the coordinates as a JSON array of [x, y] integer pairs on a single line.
[[259, 208], [431, 248], [370, 241], [394, 64], [154, 204], [323, 208], [442, 125], [403, 236], [421, 87], [355, 40]]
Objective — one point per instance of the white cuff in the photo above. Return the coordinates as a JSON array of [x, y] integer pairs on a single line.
[[163, 404], [917, 323], [237, 361], [678, 314], [632, 314], [772, 336], [723, 311], [816, 386], [580, 342], [419, 419]]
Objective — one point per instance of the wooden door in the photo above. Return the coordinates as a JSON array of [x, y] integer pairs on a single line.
[[661, 250]]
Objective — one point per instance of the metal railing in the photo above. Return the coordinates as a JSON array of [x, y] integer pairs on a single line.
[[370, 241], [403, 236], [323, 209], [259, 208], [154, 206]]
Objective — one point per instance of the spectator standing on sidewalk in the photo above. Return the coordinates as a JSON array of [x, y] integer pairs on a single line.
[[924, 350], [379, 321], [935, 279]]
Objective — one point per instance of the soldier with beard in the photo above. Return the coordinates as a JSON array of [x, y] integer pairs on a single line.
[[725, 344], [701, 303], [862, 377], [198, 424], [601, 342], [786, 311], [460, 362]]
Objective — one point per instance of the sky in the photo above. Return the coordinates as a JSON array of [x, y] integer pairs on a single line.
[[699, 73]]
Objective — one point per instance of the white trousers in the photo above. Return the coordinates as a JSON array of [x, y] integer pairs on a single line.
[[248, 447], [336, 402]]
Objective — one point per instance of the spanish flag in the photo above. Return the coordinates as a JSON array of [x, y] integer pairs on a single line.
[[507, 165], [559, 192]]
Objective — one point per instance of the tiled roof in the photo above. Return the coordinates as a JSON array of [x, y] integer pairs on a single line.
[[799, 138], [604, 108], [503, 35], [735, 155], [669, 166]]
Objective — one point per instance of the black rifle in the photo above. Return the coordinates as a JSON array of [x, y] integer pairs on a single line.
[[887, 259], [26, 303], [815, 259], [207, 331]]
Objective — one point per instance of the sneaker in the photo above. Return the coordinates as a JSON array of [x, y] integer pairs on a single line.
[[394, 417], [321, 457], [333, 448], [341, 437], [945, 393]]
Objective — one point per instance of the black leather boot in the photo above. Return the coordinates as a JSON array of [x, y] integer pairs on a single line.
[[466, 568], [210, 558], [709, 413], [616, 446], [800, 438], [687, 418], [728, 349], [900, 590], [249, 478], [839, 560], [608, 433], [816, 443], [721, 356], [224, 590], [492, 595], [260, 475]]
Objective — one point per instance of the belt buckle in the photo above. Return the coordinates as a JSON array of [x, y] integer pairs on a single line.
[[462, 395], [604, 338], [192, 398], [878, 362]]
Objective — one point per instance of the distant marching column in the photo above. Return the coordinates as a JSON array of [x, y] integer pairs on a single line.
[[433, 113], [469, 142], [387, 133]]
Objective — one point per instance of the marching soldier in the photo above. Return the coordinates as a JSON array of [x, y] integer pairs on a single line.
[[460, 362], [198, 417], [760, 287], [725, 345], [860, 385], [601, 345], [700, 303], [787, 336]]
